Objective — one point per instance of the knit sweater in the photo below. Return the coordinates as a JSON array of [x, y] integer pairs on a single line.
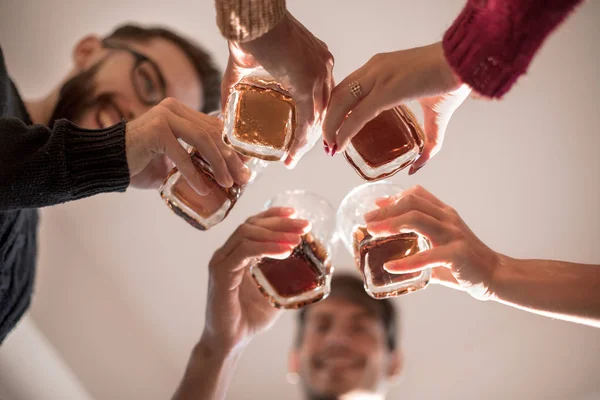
[[42, 167], [492, 42]]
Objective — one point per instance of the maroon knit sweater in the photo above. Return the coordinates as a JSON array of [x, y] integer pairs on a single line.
[[492, 42]]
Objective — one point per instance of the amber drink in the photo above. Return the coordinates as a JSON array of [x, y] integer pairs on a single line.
[[371, 253], [385, 145], [203, 211], [260, 117], [305, 276]]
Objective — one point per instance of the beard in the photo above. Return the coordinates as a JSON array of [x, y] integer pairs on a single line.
[[77, 95]]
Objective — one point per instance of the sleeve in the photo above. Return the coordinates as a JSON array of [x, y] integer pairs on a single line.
[[492, 42], [42, 167], [245, 20]]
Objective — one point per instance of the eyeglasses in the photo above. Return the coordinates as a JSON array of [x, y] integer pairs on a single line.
[[148, 81]]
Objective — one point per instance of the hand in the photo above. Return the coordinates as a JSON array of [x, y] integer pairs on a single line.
[[389, 80], [459, 259], [152, 147], [299, 61], [236, 310]]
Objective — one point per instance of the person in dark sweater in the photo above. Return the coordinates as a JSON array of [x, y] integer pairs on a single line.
[[114, 122]]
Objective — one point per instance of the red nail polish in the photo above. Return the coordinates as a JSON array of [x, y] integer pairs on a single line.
[[415, 170], [326, 147], [334, 150]]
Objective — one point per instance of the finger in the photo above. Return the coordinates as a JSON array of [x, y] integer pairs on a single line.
[[417, 190], [405, 203], [318, 101], [211, 124], [258, 233], [230, 78], [386, 201], [279, 224], [199, 133], [341, 102], [412, 221], [175, 151], [248, 250], [437, 113], [276, 212], [434, 258], [305, 120], [235, 165], [434, 136], [248, 231], [365, 111], [443, 276]]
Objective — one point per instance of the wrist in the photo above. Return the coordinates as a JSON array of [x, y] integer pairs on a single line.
[[213, 345], [448, 78], [500, 275], [278, 33]]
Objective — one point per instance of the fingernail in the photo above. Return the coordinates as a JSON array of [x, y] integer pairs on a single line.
[[335, 147], [388, 267], [246, 173], [414, 170], [326, 147]]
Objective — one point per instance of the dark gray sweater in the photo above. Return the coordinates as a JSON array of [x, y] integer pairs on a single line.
[[41, 167]]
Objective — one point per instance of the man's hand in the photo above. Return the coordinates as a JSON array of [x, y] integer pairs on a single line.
[[236, 310], [152, 147], [464, 261], [299, 61]]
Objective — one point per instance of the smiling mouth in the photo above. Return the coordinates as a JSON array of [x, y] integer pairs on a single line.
[[337, 362], [108, 114]]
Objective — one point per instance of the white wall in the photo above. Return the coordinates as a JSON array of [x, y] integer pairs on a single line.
[[122, 280], [32, 369]]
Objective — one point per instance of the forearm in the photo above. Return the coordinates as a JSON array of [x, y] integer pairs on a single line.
[[209, 372], [41, 166], [556, 289], [244, 20], [491, 43]]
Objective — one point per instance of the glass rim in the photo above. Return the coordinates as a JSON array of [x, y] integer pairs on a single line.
[[302, 192], [356, 189]]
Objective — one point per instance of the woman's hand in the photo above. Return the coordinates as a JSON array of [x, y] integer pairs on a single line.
[[389, 80]]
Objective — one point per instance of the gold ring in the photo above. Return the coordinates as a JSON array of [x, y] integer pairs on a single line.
[[355, 89]]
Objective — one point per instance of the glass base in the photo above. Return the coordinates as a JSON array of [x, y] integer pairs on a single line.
[[202, 212], [377, 173], [373, 253], [297, 281], [386, 144], [259, 122]]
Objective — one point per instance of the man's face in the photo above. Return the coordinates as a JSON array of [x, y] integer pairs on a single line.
[[343, 350], [104, 89]]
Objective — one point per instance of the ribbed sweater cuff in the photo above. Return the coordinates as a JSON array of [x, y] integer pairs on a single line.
[[96, 159], [491, 44], [246, 20]]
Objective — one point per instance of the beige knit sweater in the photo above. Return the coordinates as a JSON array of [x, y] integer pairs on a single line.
[[245, 20]]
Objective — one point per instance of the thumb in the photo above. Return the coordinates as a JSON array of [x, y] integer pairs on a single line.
[[437, 112], [437, 257], [230, 78], [434, 131]]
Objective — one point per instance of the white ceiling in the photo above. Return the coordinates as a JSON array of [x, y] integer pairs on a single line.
[[122, 280]]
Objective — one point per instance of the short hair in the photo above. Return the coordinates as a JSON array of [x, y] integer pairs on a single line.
[[202, 61], [351, 288]]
